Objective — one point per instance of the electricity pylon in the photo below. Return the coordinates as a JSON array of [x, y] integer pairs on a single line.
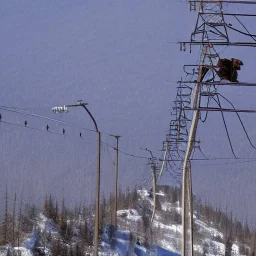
[[212, 34]]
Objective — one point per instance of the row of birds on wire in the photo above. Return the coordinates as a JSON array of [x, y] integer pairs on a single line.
[[62, 131]]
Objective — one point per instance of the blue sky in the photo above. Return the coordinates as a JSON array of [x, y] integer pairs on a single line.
[[117, 56]]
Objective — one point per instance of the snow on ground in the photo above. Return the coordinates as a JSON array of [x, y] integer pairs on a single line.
[[122, 244], [43, 224], [145, 196], [173, 227], [23, 251], [160, 251], [143, 193], [212, 231], [235, 250], [31, 241], [107, 250], [178, 209], [168, 246], [219, 247], [46, 224], [139, 250], [130, 214], [167, 206], [4, 250], [198, 248], [110, 253], [160, 193]]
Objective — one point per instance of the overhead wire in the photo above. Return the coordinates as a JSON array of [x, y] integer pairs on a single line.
[[178, 180], [109, 155], [61, 134], [225, 125], [213, 159], [247, 135], [176, 172], [199, 148], [31, 128], [249, 34], [57, 121], [228, 163], [44, 117], [206, 115], [125, 153]]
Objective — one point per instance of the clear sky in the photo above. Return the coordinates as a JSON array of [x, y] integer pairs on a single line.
[[118, 56]]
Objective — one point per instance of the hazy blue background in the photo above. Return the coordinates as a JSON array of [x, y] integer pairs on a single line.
[[116, 56]]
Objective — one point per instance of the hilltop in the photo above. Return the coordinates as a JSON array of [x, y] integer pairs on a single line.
[[53, 230]]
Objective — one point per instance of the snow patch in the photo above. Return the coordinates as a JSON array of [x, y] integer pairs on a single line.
[[46, 224], [23, 251], [175, 228], [130, 214], [213, 231], [160, 193], [31, 241], [235, 250], [143, 193]]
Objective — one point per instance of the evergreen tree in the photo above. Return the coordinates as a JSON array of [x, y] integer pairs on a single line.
[[205, 249], [103, 214], [134, 196], [56, 213], [51, 206], [65, 228], [158, 204], [228, 249], [46, 206], [56, 248]]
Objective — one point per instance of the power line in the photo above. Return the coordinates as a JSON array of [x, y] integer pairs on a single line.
[[125, 153], [222, 1], [30, 128], [109, 155], [47, 130], [44, 117], [230, 163], [211, 159]]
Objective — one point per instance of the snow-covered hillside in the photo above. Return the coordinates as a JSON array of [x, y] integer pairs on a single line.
[[167, 232], [71, 232]]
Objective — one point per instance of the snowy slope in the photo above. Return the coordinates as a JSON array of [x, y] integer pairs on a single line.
[[167, 235], [135, 235], [123, 245]]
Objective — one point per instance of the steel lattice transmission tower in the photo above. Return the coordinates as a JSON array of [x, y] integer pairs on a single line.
[[210, 29], [212, 34]]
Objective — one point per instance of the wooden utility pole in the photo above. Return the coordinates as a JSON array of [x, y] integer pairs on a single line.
[[19, 227], [116, 179], [153, 167], [6, 216], [13, 219]]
